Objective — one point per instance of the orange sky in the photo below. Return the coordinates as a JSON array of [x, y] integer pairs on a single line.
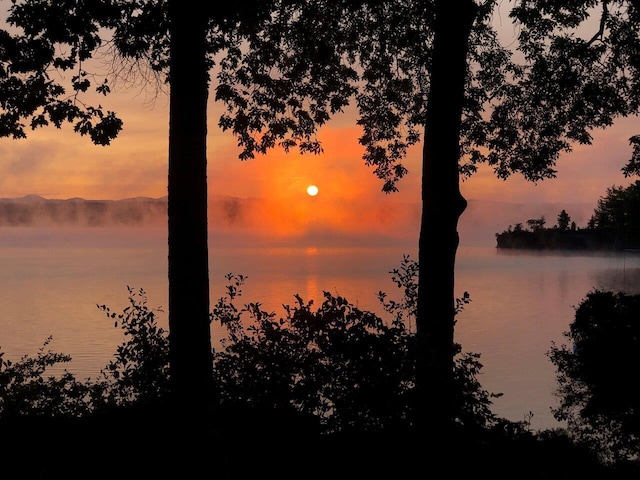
[[60, 164]]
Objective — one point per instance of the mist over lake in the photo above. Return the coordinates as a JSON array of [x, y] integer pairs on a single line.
[[52, 278], [254, 221]]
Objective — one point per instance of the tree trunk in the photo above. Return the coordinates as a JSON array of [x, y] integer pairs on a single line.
[[191, 364], [442, 205]]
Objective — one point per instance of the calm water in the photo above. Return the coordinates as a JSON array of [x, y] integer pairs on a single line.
[[51, 281]]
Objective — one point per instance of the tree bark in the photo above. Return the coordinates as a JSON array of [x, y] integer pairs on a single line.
[[442, 205], [191, 365]]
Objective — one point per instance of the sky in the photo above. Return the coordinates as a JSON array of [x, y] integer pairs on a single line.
[[60, 164], [57, 163]]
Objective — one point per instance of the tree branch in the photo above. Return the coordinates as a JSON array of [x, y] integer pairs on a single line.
[[603, 21]]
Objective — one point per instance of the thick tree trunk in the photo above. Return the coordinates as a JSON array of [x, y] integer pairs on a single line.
[[442, 205], [191, 364]]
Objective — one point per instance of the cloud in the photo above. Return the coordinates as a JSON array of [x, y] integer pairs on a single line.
[[61, 164], [26, 163]]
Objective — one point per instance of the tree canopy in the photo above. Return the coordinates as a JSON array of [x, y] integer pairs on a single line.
[[304, 61], [48, 39], [589, 60]]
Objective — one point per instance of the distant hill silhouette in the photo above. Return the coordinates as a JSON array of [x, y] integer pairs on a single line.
[[34, 210]]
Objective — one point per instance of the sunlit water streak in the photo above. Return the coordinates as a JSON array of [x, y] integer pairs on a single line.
[[51, 281]]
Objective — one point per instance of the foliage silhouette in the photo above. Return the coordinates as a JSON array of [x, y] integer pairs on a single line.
[[139, 373], [137, 377], [346, 367], [26, 391], [337, 427], [614, 225], [596, 375], [35, 61], [349, 368], [339, 363]]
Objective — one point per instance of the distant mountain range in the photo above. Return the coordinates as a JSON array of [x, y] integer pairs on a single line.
[[33, 210]]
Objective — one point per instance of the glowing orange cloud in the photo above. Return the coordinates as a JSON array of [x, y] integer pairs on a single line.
[[350, 200], [60, 164]]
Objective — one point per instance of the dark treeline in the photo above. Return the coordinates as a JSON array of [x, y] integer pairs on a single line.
[[614, 225]]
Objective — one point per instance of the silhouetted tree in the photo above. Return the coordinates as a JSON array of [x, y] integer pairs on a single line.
[[610, 210], [596, 374], [564, 220], [77, 25], [395, 54], [189, 326], [180, 42], [197, 36], [439, 66], [476, 104], [618, 213], [536, 224]]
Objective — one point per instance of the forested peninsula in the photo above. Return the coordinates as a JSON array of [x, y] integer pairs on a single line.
[[614, 225]]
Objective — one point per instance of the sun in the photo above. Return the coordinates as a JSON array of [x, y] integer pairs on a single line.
[[312, 190]]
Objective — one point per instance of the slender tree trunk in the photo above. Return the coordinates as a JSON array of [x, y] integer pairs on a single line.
[[191, 364], [442, 205]]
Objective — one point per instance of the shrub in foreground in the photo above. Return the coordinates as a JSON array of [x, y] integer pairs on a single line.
[[347, 367], [597, 375]]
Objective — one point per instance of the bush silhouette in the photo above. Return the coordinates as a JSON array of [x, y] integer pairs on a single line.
[[597, 375], [331, 384], [25, 390], [346, 367]]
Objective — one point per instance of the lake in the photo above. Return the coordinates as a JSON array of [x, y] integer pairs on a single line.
[[51, 280]]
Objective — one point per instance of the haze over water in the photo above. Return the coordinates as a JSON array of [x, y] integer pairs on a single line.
[[52, 278]]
